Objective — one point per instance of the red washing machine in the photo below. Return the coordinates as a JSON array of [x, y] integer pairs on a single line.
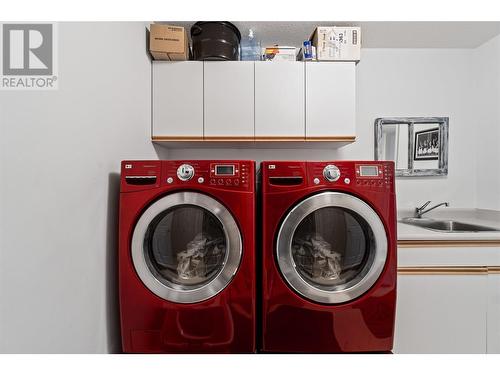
[[329, 256], [186, 256]]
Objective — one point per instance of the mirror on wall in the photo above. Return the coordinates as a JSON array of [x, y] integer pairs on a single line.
[[417, 145]]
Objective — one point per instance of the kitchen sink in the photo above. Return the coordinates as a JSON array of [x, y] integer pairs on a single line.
[[451, 226]]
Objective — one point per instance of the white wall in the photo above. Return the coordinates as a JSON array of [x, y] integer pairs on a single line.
[[401, 82], [486, 123], [60, 155], [59, 165]]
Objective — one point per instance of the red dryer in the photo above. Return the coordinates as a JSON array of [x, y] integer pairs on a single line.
[[329, 256], [186, 256]]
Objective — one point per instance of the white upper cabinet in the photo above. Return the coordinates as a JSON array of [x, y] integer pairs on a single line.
[[229, 98], [178, 99], [330, 99], [279, 99], [247, 100]]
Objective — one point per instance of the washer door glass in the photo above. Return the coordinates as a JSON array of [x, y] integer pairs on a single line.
[[186, 247], [331, 247]]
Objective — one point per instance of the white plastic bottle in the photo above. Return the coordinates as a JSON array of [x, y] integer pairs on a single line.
[[250, 47]]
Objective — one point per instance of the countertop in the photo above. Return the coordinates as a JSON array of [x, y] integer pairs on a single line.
[[488, 218]]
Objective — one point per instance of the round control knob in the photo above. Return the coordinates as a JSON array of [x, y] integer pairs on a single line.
[[331, 173], [201, 180], [185, 172], [316, 181], [170, 180]]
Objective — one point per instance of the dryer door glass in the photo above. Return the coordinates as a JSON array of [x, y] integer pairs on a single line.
[[186, 247], [331, 247]]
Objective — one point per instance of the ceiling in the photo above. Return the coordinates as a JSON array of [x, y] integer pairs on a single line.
[[377, 34]]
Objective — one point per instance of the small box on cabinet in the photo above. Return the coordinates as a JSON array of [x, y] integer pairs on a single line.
[[336, 43], [168, 42]]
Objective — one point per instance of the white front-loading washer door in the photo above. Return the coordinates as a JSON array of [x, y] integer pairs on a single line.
[[186, 247], [331, 247]]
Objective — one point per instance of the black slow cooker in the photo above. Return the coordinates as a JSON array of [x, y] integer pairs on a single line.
[[215, 40]]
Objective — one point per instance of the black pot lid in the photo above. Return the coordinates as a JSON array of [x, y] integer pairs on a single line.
[[222, 23]]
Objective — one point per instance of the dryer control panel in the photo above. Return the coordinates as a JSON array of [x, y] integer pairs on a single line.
[[374, 175], [369, 175], [364, 175]]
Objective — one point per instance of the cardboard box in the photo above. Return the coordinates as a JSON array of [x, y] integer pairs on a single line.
[[168, 42], [336, 43], [280, 53]]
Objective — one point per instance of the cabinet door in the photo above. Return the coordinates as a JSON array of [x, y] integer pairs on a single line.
[[441, 313], [229, 98], [178, 99], [330, 99], [279, 99], [494, 312]]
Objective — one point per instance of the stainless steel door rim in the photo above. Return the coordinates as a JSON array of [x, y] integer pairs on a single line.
[[354, 288], [176, 292]]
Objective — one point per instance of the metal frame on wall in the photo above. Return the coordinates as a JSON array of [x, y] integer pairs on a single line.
[[442, 122]]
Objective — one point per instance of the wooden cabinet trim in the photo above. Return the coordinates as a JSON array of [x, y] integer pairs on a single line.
[[449, 270], [443, 270], [160, 138], [494, 269], [448, 243]]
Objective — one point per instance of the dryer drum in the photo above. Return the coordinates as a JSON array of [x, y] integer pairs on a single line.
[[215, 40]]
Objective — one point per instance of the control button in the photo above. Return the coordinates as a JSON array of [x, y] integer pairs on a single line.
[[170, 180], [331, 173], [229, 182], [220, 181], [212, 181], [236, 181], [316, 181], [347, 181], [201, 180], [185, 172]]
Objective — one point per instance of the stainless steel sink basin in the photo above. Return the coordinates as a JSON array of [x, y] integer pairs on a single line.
[[451, 226]]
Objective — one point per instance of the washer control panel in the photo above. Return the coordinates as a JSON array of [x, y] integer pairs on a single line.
[[234, 175], [331, 173], [228, 174], [185, 172]]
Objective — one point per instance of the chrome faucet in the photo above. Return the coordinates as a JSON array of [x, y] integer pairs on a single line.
[[419, 211]]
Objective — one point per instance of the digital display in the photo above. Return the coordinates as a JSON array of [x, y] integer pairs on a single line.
[[224, 170], [368, 170]]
